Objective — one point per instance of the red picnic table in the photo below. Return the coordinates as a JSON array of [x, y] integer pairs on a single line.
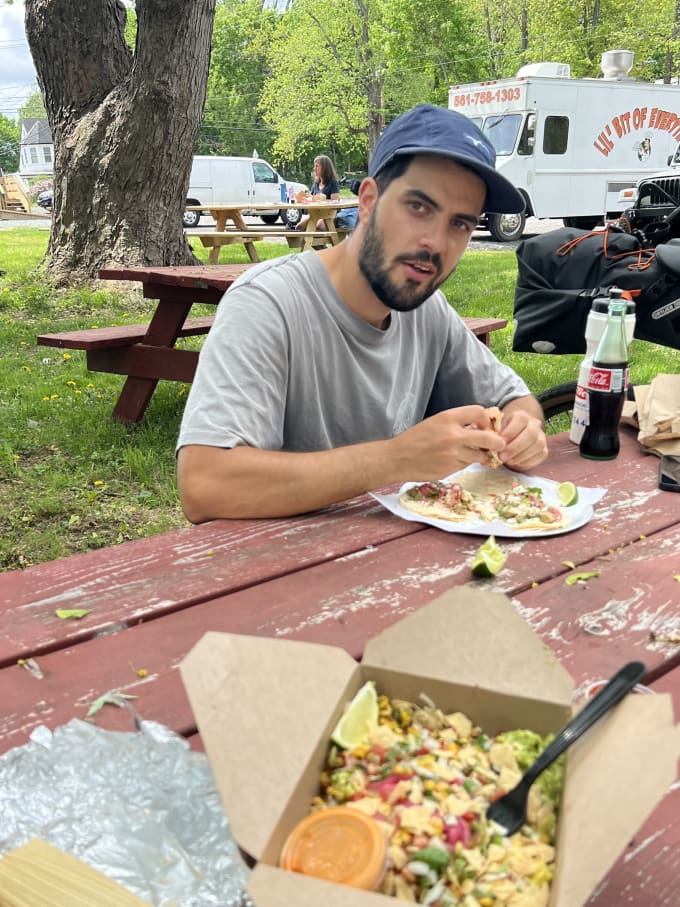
[[339, 576]]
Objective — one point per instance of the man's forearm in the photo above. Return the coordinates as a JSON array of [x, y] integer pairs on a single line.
[[245, 482]]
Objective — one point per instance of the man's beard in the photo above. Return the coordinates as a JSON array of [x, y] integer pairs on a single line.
[[372, 264]]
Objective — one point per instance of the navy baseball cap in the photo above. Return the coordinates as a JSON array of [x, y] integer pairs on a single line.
[[427, 129]]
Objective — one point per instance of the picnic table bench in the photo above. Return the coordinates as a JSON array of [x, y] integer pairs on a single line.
[[118, 335], [147, 354], [338, 576]]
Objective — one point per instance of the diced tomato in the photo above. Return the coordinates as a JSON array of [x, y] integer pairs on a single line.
[[385, 787], [460, 831]]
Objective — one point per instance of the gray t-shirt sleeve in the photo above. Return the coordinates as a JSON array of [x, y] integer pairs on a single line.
[[470, 373], [239, 394]]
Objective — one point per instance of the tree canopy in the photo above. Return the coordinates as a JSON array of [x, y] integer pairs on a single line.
[[9, 145], [305, 78], [289, 79], [33, 106]]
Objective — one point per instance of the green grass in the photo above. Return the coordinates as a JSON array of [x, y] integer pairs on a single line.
[[71, 479]]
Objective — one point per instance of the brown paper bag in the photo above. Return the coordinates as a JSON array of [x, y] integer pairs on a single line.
[[658, 413], [629, 414]]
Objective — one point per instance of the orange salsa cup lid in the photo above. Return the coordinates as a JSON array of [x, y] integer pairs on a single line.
[[340, 845]]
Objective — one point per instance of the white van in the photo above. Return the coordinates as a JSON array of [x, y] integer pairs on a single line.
[[228, 180]]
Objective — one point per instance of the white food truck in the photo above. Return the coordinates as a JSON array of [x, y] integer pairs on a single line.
[[572, 145]]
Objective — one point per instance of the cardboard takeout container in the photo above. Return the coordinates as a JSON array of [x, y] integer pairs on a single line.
[[266, 707]]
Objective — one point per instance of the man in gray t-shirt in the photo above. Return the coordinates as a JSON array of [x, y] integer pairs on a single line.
[[329, 374]]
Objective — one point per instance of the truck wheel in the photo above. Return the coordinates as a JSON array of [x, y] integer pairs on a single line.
[[269, 218], [582, 223], [506, 227], [191, 218], [291, 217]]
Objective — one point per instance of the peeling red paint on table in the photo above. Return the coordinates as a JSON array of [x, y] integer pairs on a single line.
[[338, 577]]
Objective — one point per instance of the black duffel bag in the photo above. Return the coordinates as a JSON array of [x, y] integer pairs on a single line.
[[560, 273]]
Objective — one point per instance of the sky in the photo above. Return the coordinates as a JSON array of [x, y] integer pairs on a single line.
[[17, 73]]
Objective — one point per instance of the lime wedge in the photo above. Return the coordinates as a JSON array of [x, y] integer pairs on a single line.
[[359, 719], [488, 559], [567, 492]]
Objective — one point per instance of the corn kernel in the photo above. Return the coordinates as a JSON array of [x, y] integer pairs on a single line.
[[400, 837]]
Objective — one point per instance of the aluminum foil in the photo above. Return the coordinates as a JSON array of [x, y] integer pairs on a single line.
[[140, 807]]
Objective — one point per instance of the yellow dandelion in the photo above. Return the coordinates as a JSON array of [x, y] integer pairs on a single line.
[[70, 383], [66, 356], [98, 482], [54, 396]]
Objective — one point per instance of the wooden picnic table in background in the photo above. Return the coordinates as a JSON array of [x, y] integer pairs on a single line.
[[146, 353], [231, 226], [338, 577]]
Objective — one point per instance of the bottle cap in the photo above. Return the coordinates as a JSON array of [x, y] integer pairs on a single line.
[[340, 845], [601, 304]]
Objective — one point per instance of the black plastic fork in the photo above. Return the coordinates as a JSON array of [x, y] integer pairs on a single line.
[[509, 811]]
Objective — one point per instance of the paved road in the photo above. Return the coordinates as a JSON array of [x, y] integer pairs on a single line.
[[481, 239], [41, 220]]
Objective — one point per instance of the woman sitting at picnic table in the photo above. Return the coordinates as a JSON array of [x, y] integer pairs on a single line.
[[325, 183]]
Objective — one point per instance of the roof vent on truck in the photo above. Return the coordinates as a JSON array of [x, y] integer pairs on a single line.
[[545, 70], [616, 64]]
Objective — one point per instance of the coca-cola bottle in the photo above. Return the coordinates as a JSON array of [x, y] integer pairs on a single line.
[[607, 383], [595, 325]]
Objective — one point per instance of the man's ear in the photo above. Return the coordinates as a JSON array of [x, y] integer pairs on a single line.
[[368, 196]]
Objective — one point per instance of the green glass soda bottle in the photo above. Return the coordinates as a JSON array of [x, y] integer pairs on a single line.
[[607, 384]]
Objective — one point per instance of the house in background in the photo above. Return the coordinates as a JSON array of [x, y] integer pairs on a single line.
[[36, 148]]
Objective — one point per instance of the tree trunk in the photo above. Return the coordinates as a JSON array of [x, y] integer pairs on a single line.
[[123, 127]]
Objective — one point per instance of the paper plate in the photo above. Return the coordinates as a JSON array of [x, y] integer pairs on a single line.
[[579, 513]]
